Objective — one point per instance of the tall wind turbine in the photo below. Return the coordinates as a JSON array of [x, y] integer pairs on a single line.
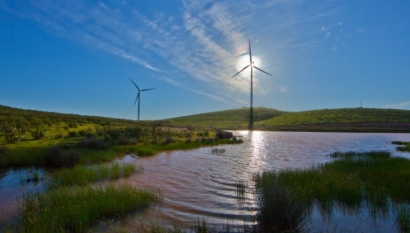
[[138, 96], [252, 66]]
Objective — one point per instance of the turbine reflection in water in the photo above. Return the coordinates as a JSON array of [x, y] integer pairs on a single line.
[[197, 184]]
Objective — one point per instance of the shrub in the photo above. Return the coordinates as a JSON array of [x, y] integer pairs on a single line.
[[127, 141], [4, 152], [58, 157], [134, 132], [87, 133], [92, 143], [154, 141], [72, 124], [72, 134], [38, 133], [13, 135], [224, 134], [114, 134], [169, 140]]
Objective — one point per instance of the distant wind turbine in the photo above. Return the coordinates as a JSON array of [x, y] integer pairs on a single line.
[[138, 96], [252, 66]]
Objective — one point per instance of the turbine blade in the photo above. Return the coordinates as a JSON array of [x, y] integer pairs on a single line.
[[250, 52], [261, 70], [242, 70], [136, 99], [148, 89], [134, 84]]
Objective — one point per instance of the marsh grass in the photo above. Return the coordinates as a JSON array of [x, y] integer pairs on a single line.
[[74, 209], [91, 151], [278, 210], [372, 180], [23, 157], [218, 151], [152, 149], [240, 189], [404, 146], [83, 175], [403, 219]]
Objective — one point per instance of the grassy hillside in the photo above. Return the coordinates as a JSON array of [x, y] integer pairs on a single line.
[[338, 120], [346, 119], [341, 120], [337, 116], [228, 119]]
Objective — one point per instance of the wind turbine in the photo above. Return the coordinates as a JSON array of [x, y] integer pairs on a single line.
[[138, 96], [252, 66]]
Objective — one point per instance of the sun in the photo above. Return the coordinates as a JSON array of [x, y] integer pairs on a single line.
[[244, 61]]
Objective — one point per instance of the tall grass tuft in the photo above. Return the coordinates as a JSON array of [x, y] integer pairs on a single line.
[[278, 210], [4, 152], [403, 219], [404, 146], [373, 180], [82, 175], [58, 157], [75, 209]]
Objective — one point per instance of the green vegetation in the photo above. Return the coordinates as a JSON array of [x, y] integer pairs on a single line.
[[55, 128], [373, 180], [83, 175], [341, 120], [33, 138], [404, 146], [75, 148], [228, 119], [77, 145], [336, 120], [74, 209]]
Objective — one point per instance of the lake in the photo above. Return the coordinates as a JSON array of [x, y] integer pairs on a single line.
[[199, 184]]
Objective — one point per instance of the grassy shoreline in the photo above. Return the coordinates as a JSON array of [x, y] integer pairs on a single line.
[[72, 201], [374, 180], [39, 157]]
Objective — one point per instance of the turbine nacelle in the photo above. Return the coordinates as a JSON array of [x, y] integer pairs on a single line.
[[138, 95], [252, 65]]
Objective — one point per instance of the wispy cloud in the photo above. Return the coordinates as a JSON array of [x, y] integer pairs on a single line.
[[402, 105], [200, 45]]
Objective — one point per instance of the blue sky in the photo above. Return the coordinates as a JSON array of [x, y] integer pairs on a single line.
[[76, 56]]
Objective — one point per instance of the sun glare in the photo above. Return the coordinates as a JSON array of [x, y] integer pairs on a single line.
[[244, 61]]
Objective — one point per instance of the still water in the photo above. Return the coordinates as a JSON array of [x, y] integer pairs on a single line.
[[198, 184]]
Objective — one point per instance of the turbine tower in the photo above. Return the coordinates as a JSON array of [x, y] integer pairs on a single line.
[[138, 96], [252, 66]]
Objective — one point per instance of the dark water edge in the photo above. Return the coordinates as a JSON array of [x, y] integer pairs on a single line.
[[15, 183]]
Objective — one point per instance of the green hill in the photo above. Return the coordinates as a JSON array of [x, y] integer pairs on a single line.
[[345, 119], [338, 120], [343, 115], [228, 119]]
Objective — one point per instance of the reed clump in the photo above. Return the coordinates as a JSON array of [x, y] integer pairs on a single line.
[[74, 209], [278, 210], [404, 146], [372, 180], [83, 175]]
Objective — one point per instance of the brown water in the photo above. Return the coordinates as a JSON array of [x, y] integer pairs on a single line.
[[197, 184]]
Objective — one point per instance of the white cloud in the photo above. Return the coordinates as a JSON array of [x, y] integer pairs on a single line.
[[402, 105], [201, 45]]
